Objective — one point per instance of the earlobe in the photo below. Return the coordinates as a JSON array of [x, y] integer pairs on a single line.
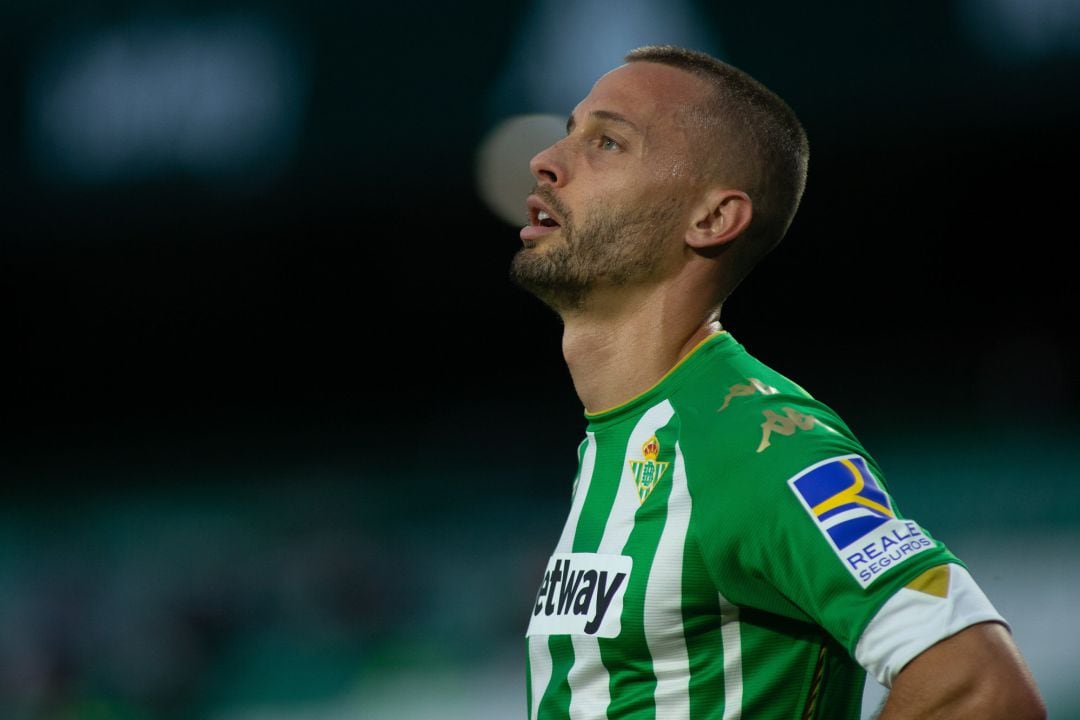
[[721, 218]]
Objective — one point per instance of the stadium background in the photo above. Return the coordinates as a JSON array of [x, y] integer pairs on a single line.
[[280, 440]]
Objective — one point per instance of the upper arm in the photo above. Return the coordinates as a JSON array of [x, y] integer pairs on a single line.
[[978, 672]]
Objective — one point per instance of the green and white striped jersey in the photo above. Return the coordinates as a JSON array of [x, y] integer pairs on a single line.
[[728, 544]]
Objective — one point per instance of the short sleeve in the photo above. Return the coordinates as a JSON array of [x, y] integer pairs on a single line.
[[938, 604], [794, 517]]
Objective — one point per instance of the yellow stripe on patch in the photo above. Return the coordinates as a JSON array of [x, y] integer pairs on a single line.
[[934, 581], [850, 495]]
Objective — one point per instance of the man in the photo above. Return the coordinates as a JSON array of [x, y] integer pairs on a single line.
[[731, 550]]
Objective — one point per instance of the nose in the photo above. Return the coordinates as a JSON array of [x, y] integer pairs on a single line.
[[547, 166]]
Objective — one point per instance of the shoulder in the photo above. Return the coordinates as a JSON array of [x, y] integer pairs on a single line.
[[743, 424], [760, 422]]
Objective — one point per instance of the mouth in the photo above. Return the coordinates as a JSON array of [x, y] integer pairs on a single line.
[[541, 220]]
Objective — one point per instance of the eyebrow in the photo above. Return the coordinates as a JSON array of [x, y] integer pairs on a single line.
[[604, 115]]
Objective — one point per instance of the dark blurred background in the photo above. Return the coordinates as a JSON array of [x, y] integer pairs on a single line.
[[280, 440]]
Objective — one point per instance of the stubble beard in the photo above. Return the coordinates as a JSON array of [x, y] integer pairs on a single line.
[[616, 247]]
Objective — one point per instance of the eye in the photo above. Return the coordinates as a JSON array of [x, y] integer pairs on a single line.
[[607, 143]]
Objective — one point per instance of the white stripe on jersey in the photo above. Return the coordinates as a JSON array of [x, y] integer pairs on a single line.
[[588, 464], [590, 693], [730, 636], [663, 604], [539, 651], [593, 692], [539, 671]]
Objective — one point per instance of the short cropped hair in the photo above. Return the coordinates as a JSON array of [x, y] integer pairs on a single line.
[[758, 143]]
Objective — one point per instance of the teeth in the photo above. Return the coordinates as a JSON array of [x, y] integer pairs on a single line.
[[542, 216]]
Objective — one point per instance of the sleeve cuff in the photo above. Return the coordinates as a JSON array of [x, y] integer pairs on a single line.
[[915, 619]]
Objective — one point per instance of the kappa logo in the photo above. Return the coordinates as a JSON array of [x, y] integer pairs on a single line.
[[752, 385], [855, 514], [648, 472], [785, 424], [581, 594]]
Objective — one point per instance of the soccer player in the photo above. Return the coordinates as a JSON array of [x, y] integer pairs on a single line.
[[731, 550]]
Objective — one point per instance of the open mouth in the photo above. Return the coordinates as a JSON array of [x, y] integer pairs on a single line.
[[541, 221], [542, 217]]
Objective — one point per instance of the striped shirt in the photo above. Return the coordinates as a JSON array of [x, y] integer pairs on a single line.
[[728, 549]]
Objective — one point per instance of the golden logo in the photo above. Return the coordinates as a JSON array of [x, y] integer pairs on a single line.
[[752, 385], [786, 424]]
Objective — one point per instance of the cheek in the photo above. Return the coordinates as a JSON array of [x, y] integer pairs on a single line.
[[659, 186], [675, 161], [675, 171], [678, 170]]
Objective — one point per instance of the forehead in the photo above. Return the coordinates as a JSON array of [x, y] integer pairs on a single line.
[[647, 93]]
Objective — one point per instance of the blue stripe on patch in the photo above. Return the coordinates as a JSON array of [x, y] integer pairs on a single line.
[[844, 498]]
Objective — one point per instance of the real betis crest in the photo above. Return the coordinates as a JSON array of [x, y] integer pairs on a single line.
[[647, 472]]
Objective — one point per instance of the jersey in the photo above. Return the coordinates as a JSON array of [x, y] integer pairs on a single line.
[[728, 553]]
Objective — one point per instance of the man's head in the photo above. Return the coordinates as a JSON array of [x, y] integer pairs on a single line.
[[673, 152], [751, 139]]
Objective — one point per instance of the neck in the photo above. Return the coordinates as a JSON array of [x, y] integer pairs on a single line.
[[618, 349]]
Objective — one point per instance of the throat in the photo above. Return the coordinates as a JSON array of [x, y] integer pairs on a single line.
[[612, 364], [612, 360]]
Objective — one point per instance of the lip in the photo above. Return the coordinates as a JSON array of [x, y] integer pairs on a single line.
[[534, 230], [531, 233]]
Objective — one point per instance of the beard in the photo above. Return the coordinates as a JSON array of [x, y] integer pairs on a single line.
[[613, 246]]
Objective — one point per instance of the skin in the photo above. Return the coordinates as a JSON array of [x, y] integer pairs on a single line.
[[666, 283], [640, 255], [976, 673]]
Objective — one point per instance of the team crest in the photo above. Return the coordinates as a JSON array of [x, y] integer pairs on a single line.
[[648, 472]]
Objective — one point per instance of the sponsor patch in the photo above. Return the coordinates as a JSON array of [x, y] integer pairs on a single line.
[[856, 516], [581, 594]]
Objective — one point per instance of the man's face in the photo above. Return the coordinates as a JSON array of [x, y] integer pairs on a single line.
[[612, 198]]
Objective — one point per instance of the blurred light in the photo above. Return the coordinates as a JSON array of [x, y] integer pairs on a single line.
[[1023, 29], [215, 97], [502, 162], [564, 46]]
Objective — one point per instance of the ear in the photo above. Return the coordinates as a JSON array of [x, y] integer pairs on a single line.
[[720, 218]]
